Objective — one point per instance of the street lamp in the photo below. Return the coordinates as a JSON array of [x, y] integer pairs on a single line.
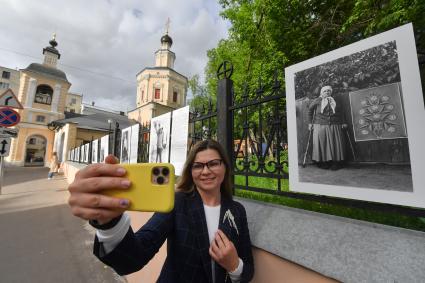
[[51, 126], [110, 121]]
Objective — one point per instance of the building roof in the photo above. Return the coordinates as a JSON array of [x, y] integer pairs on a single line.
[[97, 108], [72, 115], [45, 70], [98, 121], [167, 38]]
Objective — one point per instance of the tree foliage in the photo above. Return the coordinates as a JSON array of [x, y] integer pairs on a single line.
[[199, 93], [269, 34], [369, 68]]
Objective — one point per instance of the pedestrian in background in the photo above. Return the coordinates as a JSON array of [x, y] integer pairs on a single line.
[[54, 165]]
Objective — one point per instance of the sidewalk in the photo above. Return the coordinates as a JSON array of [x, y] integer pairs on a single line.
[[41, 241], [26, 188]]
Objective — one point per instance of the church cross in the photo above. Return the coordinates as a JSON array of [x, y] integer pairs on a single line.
[[167, 25]]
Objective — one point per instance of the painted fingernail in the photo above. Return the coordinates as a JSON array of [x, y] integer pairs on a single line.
[[125, 183], [120, 171], [124, 202]]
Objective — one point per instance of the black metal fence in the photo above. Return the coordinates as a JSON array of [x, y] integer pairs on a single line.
[[252, 128]]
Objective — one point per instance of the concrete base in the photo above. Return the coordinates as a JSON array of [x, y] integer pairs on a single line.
[[344, 249]]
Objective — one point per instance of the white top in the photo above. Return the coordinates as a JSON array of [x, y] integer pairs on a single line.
[[212, 216]]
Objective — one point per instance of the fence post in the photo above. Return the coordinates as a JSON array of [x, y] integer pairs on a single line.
[[224, 115]]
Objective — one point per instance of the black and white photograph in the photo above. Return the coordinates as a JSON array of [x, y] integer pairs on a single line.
[[125, 145], [159, 139], [83, 154], [134, 143], [104, 148], [94, 149], [77, 154], [86, 152], [354, 121], [179, 134]]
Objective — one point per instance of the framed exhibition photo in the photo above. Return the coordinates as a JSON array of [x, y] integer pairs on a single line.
[[355, 122]]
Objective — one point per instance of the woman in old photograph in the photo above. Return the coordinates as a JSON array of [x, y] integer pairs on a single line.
[[124, 153], [326, 116]]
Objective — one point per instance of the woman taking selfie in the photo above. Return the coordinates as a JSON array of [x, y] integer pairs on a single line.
[[207, 232]]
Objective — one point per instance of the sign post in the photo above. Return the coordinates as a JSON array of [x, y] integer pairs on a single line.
[[4, 151], [8, 118]]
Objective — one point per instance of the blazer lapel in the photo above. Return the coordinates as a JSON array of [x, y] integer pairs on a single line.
[[200, 229], [224, 226], [223, 223]]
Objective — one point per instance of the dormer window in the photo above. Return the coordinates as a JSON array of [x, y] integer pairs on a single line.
[[43, 95]]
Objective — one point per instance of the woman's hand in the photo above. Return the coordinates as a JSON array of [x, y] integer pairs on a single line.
[[224, 252], [86, 200]]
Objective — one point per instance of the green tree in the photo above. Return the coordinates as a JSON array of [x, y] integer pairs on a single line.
[[270, 34], [200, 97]]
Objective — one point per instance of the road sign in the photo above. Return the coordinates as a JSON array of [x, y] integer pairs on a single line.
[[8, 132], [9, 99], [8, 117], [4, 146]]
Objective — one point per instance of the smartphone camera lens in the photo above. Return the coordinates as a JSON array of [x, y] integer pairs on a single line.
[[165, 171], [155, 171], [160, 180]]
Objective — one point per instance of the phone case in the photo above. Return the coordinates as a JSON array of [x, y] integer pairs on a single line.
[[144, 194]]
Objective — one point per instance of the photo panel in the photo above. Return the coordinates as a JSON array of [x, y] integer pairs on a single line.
[[86, 152], [125, 145], [179, 134], [104, 148], [94, 151], [355, 119], [159, 147], [134, 143], [83, 154], [77, 154]]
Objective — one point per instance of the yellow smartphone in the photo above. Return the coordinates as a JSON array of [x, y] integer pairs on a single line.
[[152, 187]]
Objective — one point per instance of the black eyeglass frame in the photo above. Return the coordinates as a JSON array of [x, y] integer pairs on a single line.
[[208, 163]]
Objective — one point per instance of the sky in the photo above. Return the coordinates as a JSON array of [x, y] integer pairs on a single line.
[[105, 43]]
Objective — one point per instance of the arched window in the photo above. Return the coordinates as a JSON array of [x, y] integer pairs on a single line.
[[43, 94]]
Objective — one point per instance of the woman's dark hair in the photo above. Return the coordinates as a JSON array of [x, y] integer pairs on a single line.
[[186, 184]]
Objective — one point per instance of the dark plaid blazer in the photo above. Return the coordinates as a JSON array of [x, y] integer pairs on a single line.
[[185, 228]]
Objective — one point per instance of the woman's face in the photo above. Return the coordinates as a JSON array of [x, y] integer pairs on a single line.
[[326, 92], [208, 171]]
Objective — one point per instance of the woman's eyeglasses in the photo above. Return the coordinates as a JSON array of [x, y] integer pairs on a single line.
[[213, 165]]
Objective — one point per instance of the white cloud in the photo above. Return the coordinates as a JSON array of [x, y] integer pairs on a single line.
[[114, 38]]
